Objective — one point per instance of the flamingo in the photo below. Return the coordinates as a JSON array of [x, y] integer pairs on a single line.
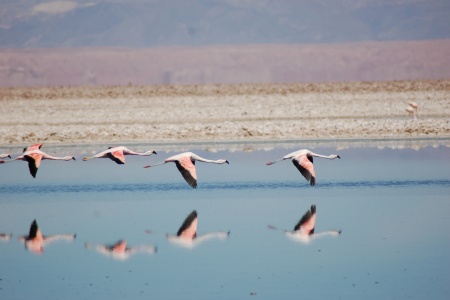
[[120, 251], [185, 163], [5, 156], [303, 161], [187, 234], [33, 155], [415, 107], [304, 230], [411, 112], [35, 241], [117, 154]]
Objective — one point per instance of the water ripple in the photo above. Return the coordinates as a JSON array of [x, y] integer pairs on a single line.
[[246, 185]]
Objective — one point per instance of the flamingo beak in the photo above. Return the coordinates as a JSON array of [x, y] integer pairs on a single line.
[[154, 152], [338, 157], [227, 162], [73, 158]]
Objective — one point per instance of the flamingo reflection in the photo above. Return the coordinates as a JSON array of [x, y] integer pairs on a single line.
[[33, 155], [187, 234], [304, 230], [5, 237], [35, 242], [120, 250]]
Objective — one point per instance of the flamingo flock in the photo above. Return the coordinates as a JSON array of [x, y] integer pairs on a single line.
[[185, 162], [186, 236]]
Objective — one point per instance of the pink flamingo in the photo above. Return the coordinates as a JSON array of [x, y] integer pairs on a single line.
[[304, 229], [33, 155], [120, 250], [303, 161], [117, 154], [415, 107], [185, 163], [187, 234], [35, 241], [411, 112], [5, 156]]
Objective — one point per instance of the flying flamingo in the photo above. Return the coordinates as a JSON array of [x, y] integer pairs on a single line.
[[35, 241], [304, 229], [117, 154], [187, 234], [120, 251], [185, 163], [33, 155], [303, 161]]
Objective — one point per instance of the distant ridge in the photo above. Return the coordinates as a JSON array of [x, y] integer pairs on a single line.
[[266, 63], [150, 23]]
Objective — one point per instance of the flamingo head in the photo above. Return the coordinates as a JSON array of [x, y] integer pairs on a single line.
[[150, 152], [223, 161]]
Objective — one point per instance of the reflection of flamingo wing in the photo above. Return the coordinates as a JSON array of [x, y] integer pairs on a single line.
[[189, 227], [307, 222], [305, 165], [117, 156], [187, 169]]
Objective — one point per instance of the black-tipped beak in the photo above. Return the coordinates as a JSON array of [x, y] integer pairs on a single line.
[[338, 157], [73, 158], [227, 162], [9, 156], [154, 152]]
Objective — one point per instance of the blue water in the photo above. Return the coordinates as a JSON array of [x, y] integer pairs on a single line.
[[392, 206]]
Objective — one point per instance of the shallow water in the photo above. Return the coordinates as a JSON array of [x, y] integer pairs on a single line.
[[392, 206]]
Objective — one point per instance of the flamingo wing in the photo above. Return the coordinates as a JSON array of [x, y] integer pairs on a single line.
[[189, 227], [34, 161], [187, 168], [307, 222], [117, 156], [33, 230], [304, 163]]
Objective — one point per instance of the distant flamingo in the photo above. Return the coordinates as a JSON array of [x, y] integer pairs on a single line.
[[187, 234], [120, 251], [33, 155], [185, 163], [415, 106], [304, 230], [117, 154], [35, 241], [5, 156], [303, 161], [411, 112]]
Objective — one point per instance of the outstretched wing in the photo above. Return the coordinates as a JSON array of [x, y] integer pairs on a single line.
[[305, 165], [34, 161], [187, 169], [117, 156]]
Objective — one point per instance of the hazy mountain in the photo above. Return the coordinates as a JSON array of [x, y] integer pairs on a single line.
[[139, 23]]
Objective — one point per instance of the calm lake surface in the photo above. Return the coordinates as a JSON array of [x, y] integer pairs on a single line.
[[392, 205]]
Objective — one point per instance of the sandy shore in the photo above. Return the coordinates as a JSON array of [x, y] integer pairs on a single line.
[[215, 113]]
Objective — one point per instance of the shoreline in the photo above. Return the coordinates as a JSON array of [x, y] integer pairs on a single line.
[[253, 113], [249, 145]]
